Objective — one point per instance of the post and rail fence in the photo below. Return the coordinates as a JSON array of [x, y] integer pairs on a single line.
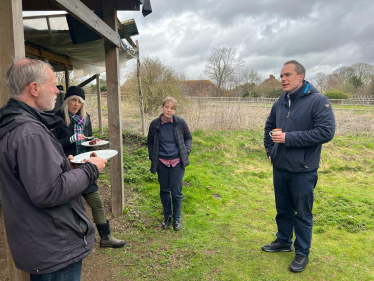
[[355, 100]]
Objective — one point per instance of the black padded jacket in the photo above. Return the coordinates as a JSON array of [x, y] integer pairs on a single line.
[[182, 137]]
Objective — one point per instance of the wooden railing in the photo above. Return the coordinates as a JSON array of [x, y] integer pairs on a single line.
[[357, 100]]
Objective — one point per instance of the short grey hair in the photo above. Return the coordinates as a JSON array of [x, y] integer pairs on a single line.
[[170, 99], [23, 72], [65, 109], [299, 68]]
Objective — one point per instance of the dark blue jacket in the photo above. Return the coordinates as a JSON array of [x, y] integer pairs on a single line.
[[308, 123]]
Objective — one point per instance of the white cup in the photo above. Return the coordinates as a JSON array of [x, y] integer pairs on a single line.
[[276, 130]]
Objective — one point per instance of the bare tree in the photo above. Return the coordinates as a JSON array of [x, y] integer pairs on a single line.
[[321, 81], [222, 66], [158, 81], [363, 71], [252, 76]]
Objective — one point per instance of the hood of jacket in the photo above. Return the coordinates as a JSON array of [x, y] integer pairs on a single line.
[[16, 113]]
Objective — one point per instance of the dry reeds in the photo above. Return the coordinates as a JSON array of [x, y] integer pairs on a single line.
[[201, 115]]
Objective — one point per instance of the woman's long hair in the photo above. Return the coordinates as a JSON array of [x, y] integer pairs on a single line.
[[81, 112]]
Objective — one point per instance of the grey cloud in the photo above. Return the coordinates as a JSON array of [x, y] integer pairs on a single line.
[[321, 34]]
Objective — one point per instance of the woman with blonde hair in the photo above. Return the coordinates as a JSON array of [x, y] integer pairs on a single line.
[[77, 127]]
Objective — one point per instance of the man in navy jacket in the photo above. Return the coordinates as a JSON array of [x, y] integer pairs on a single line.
[[306, 120]]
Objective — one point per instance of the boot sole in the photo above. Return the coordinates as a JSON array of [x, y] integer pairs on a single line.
[[296, 270], [113, 246], [277, 251]]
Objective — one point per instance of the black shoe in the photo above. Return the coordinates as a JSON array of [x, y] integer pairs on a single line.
[[275, 246], [166, 223], [177, 225], [299, 263]]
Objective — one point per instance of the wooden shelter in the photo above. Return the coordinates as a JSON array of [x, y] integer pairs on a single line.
[[13, 46]]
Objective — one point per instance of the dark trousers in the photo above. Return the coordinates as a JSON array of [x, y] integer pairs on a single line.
[[294, 203], [171, 180], [69, 273]]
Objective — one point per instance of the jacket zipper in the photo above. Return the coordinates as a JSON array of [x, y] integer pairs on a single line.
[[288, 116]]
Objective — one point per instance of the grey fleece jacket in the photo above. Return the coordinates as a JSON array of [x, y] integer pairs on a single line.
[[45, 221]]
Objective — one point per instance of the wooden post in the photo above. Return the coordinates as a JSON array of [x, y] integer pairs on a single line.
[[12, 46], [67, 78], [140, 90], [12, 40], [98, 91], [114, 110]]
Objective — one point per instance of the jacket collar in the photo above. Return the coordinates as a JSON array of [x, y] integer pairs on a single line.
[[17, 108], [175, 119], [299, 93]]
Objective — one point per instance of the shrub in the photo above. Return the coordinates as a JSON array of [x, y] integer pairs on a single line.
[[275, 93], [335, 94]]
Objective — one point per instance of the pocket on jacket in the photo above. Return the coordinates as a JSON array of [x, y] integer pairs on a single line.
[[66, 220], [295, 158], [276, 154]]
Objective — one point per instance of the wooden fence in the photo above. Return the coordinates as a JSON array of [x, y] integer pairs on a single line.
[[356, 100]]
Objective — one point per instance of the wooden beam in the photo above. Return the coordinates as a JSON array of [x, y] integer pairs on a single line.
[[44, 16], [46, 5], [84, 83], [141, 100], [114, 111], [12, 40], [82, 13], [13, 272], [67, 78], [127, 37], [98, 92], [12, 46], [52, 58]]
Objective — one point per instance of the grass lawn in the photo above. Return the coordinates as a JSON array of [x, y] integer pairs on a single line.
[[228, 214]]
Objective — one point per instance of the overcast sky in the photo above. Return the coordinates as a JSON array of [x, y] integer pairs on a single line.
[[322, 35]]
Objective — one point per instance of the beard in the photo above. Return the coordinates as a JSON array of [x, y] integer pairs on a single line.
[[46, 101]]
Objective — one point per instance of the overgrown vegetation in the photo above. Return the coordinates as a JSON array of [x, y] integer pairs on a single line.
[[228, 213], [335, 94], [158, 80]]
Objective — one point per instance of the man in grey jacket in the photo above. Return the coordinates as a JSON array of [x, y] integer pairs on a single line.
[[47, 229], [306, 120]]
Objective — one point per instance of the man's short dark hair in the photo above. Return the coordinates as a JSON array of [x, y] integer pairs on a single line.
[[299, 68]]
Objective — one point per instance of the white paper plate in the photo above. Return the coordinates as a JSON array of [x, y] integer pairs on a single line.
[[105, 153], [99, 143]]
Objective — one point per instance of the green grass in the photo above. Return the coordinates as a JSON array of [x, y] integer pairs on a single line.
[[228, 214]]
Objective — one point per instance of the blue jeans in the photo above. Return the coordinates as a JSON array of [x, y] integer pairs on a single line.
[[294, 203], [171, 180], [69, 273]]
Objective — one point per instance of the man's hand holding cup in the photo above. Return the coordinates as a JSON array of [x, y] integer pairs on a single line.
[[277, 135]]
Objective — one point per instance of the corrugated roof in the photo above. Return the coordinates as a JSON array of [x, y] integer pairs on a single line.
[[129, 26]]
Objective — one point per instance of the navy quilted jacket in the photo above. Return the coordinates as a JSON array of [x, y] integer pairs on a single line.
[[308, 123]]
